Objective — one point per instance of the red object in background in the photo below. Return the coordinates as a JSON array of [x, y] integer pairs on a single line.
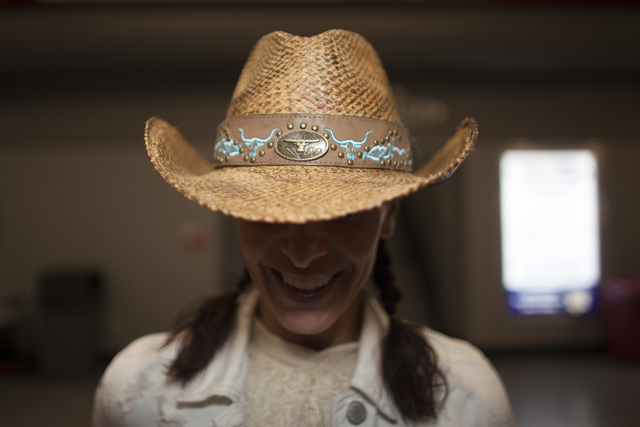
[[620, 298]]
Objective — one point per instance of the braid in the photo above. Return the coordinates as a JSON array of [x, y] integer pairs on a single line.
[[409, 365], [383, 278], [206, 327]]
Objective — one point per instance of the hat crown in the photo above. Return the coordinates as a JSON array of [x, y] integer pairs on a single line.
[[335, 73]]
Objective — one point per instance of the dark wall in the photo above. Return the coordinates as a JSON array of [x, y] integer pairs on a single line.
[[84, 79]]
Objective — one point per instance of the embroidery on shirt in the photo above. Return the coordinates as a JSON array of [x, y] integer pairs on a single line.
[[289, 385]]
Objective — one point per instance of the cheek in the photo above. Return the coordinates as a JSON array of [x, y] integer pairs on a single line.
[[361, 247], [359, 243], [255, 240]]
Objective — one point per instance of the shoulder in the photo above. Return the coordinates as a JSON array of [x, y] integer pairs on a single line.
[[476, 395], [127, 380], [454, 353], [144, 355]]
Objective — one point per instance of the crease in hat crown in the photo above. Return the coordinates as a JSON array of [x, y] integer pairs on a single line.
[[333, 73], [330, 89]]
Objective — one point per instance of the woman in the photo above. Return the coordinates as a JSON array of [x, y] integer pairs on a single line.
[[311, 160]]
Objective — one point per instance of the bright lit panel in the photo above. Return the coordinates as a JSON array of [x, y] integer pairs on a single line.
[[549, 224]]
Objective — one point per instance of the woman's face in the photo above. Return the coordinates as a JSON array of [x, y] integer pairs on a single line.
[[310, 275]]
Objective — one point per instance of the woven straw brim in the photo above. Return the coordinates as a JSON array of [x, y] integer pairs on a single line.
[[294, 194]]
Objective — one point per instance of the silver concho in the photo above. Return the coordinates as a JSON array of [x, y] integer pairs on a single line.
[[301, 145]]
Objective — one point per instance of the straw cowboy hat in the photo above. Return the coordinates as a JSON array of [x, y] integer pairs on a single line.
[[312, 133]]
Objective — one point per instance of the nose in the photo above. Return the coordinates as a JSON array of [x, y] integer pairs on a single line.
[[303, 244]]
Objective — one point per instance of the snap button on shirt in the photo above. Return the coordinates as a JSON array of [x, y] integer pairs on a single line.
[[356, 413]]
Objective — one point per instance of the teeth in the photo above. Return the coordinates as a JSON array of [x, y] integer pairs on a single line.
[[305, 284]]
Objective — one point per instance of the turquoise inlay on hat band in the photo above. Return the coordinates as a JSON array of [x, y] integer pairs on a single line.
[[313, 140]]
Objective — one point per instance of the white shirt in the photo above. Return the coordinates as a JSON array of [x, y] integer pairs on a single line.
[[134, 390], [288, 384]]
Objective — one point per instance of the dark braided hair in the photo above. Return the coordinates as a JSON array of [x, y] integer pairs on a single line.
[[207, 327], [409, 365]]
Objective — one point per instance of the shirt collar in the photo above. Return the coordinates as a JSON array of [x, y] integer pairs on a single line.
[[367, 377], [226, 374]]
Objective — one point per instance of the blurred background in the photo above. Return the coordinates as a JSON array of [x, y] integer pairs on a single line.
[[97, 250]]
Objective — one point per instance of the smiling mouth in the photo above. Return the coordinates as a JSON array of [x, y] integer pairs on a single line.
[[305, 284]]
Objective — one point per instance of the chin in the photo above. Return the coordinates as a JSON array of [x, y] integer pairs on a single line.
[[307, 323]]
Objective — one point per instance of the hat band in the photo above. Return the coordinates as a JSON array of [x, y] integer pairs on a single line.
[[313, 140]]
